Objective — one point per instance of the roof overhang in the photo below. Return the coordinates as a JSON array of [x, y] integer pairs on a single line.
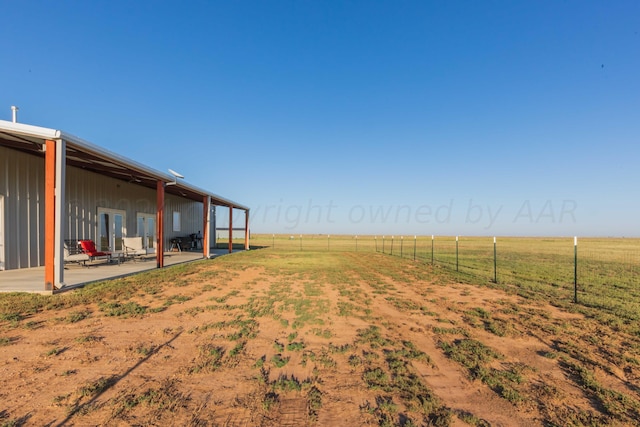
[[85, 155]]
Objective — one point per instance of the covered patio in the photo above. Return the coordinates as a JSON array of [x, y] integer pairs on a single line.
[[63, 186], [77, 275]]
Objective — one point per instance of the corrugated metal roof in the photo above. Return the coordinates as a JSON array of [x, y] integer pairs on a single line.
[[86, 155]]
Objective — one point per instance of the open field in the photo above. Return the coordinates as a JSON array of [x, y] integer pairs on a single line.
[[608, 269], [315, 337]]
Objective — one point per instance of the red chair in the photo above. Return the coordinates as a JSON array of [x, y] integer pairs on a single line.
[[89, 248]]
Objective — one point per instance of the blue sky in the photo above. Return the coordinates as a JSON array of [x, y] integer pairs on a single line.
[[360, 117]]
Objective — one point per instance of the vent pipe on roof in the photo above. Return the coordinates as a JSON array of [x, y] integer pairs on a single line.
[[14, 110]]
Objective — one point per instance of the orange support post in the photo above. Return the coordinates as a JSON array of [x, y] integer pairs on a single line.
[[49, 214], [160, 224], [230, 229], [246, 230]]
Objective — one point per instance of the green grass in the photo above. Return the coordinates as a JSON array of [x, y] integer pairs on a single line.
[[544, 268], [85, 339], [77, 316], [237, 329], [476, 357], [176, 299], [295, 346], [14, 307], [279, 361], [210, 359], [54, 351], [621, 406], [144, 350], [117, 309], [97, 387], [164, 398]]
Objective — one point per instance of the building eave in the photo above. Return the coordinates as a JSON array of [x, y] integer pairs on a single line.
[[41, 134]]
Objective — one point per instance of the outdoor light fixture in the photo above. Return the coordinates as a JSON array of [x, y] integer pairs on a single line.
[[176, 175]]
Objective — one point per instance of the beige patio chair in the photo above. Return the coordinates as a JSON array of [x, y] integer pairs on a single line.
[[73, 253], [134, 249]]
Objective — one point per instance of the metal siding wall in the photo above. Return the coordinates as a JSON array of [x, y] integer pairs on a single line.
[[191, 219], [40, 215], [22, 184], [87, 191], [35, 230], [21, 180]]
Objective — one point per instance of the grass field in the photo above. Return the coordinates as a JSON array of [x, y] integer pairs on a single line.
[[323, 336], [608, 269]]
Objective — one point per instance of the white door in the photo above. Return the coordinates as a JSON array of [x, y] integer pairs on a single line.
[[146, 225], [1, 232], [111, 229]]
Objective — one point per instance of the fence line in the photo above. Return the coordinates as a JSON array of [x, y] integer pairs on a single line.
[[596, 272]]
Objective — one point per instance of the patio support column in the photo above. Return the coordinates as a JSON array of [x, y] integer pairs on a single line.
[[246, 230], [206, 210], [49, 214], [230, 229], [60, 201], [160, 224]]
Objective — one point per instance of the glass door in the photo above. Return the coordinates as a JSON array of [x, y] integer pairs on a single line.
[[111, 229], [146, 228]]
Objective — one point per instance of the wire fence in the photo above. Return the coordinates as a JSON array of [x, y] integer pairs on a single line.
[[597, 272]]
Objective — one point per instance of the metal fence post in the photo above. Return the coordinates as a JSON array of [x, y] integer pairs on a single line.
[[456, 253], [432, 237], [415, 241], [575, 269], [382, 244], [391, 245], [495, 262], [401, 245]]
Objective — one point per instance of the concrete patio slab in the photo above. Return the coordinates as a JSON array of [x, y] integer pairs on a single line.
[[75, 275]]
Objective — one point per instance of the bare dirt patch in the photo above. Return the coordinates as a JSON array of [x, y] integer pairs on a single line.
[[327, 339]]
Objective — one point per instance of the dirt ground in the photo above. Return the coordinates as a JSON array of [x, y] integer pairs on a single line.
[[244, 341]]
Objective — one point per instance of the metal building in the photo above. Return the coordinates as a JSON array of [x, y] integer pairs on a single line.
[[55, 186]]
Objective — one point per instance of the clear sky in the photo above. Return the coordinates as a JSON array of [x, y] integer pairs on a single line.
[[361, 117]]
